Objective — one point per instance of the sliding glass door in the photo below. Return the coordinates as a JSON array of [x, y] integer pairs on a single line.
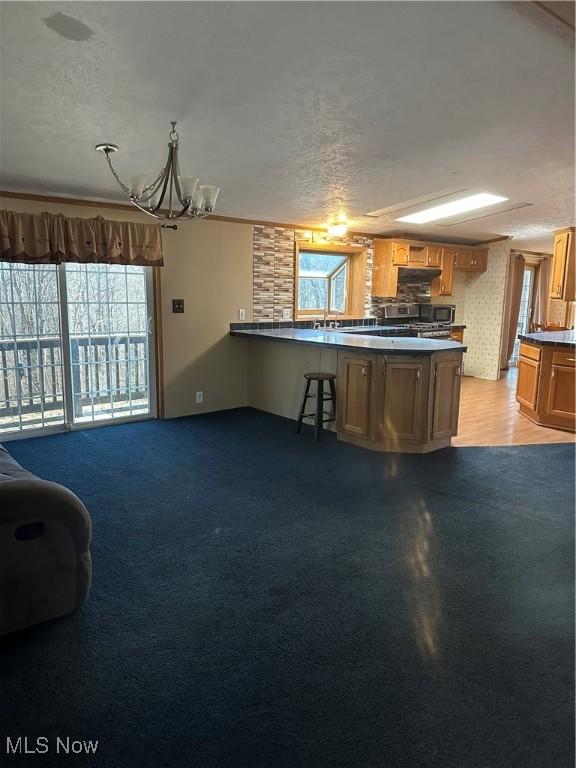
[[109, 324], [75, 345], [31, 376]]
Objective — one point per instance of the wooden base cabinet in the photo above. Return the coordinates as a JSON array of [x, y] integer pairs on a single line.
[[546, 388], [393, 403], [403, 400], [354, 401], [446, 394]]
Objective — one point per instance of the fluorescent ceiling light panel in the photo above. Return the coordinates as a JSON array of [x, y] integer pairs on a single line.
[[456, 207]]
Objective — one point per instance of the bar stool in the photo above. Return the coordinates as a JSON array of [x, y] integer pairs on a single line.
[[319, 414]]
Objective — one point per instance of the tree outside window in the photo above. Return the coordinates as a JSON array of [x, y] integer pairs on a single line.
[[322, 282]]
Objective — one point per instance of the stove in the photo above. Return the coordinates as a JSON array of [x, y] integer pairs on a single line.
[[431, 330], [415, 325]]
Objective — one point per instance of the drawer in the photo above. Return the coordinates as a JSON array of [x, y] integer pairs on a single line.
[[564, 357], [532, 353]]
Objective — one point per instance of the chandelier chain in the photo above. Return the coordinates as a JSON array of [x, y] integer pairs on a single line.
[[121, 183]]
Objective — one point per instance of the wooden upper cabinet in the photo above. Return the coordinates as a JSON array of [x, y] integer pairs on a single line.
[[442, 286], [470, 259], [404, 394], [433, 256], [384, 273], [416, 255], [355, 381], [400, 254], [446, 398], [562, 281]]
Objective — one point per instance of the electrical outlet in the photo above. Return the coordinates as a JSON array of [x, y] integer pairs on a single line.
[[199, 397], [241, 314], [287, 314], [178, 306]]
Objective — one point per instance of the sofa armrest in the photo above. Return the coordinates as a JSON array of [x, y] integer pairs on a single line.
[[34, 499]]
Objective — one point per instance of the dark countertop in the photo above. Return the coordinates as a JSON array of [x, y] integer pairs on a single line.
[[390, 345], [550, 338]]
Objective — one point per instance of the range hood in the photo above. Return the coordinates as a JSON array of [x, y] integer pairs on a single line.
[[410, 275]]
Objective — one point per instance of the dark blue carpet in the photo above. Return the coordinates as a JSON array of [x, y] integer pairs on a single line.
[[264, 601]]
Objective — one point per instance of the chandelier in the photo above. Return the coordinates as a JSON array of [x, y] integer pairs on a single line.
[[170, 195]]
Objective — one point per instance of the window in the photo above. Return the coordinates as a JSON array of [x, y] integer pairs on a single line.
[[322, 282]]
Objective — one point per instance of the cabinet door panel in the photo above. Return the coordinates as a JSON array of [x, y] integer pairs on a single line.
[[442, 286], [462, 259], [417, 256], [403, 401], [562, 392], [433, 255], [527, 386], [355, 377], [400, 254], [446, 399], [559, 265], [480, 261]]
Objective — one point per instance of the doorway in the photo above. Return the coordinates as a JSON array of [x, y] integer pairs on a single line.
[[526, 311], [76, 344]]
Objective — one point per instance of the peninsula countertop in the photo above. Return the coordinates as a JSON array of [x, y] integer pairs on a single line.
[[389, 345], [551, 338]]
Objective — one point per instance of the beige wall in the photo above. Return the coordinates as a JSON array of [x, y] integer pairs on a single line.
[[276, 374], [209, 265]]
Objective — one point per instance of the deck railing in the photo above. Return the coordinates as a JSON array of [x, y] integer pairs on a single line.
[[102, 367]]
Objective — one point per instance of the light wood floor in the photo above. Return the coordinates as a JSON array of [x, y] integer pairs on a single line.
[[489, 416]]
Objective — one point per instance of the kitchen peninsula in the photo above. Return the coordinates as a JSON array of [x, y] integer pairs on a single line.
[[546, 390], [394, 393]]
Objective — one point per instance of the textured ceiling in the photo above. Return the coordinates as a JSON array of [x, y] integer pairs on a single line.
[[298, 109]]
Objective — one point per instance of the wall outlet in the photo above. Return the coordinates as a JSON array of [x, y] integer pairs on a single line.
[[287, 314], [241, 314], [199, 397]]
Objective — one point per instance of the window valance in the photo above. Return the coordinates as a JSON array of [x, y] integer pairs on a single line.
[[48, 238]]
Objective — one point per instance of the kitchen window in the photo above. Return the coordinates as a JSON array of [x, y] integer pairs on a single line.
[[322, 282]]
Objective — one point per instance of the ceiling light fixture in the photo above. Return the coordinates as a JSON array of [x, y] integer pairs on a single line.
[[196, 201], [337, 227], [446, 210]]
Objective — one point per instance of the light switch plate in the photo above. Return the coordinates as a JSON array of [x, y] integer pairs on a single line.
[[287, 314], [241, 314]]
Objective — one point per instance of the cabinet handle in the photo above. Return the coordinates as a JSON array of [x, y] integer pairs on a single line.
[[442, 286], [571, 359], [418, 375], [363, 371]]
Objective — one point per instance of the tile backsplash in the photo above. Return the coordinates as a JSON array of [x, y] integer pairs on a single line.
[[273, 274]]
